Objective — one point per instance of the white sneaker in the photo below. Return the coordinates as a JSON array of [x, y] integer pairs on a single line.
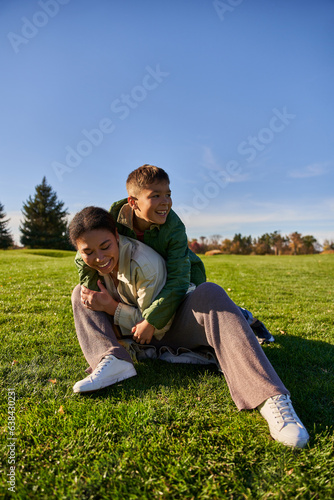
[[284, 424], [109, 371]]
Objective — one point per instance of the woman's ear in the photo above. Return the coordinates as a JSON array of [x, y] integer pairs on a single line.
[[117, 236]]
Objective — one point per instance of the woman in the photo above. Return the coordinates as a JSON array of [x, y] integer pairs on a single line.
[[134, 274]]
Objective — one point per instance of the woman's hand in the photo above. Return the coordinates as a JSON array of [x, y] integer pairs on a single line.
[[98, 301], [143, 332]]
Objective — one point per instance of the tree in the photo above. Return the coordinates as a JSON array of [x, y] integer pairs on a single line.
[[278, 242], [296, 242], [214, 242], [204, 245], [226, 245], [195, 246], [241, 244], [328, 246], [44, 224], [263, 244], [309, 243], [6, 239]]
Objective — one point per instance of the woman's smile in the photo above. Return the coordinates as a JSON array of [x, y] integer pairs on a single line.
[[102, 266], [99, 250]]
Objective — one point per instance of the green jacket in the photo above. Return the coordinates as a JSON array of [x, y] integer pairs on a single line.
[[171, 242]]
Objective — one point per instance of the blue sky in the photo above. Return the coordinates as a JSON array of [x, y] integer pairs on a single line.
[[234, 99]]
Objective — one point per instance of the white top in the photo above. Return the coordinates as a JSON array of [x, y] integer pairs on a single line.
[[142, 275]]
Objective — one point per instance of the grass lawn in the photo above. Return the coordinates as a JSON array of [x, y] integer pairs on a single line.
[[173, 431]]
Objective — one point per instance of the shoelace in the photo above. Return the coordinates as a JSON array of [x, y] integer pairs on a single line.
[[284, 411], [100, 366]]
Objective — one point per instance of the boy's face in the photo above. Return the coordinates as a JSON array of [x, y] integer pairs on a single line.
[[151, 205]]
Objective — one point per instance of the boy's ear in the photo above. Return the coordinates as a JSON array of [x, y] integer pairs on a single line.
[[132, 202]]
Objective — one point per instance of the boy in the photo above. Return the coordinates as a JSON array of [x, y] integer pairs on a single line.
[[146, 215]]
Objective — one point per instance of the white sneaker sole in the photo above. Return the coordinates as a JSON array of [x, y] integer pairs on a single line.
[[299, 443], [265, 341]]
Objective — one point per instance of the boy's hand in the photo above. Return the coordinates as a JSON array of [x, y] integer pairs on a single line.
[[143, 332], [98, 301]]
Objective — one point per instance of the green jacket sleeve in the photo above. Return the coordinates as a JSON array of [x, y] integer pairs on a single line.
[[87, 276], [197, 273], [178, 273]]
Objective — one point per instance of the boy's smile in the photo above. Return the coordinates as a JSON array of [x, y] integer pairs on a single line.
[[151, 206]]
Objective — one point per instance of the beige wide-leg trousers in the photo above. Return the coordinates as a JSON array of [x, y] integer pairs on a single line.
[[207, 317]]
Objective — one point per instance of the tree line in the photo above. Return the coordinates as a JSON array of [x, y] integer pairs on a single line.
[[45, 225], [267, 244]]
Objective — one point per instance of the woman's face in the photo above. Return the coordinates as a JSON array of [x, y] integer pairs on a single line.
[[99, 250]]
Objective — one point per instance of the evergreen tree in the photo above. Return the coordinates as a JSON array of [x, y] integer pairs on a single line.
[[6, 239], [44, 224], [309, 242]]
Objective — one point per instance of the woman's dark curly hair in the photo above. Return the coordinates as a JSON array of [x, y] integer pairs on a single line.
[[89, 219]]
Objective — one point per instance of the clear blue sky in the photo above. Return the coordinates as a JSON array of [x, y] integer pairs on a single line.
[[234, 99]]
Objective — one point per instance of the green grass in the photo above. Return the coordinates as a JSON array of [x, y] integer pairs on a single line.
[[173, 432]]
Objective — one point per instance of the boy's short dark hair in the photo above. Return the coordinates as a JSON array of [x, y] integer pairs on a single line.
[[143, 177], [90, 219]]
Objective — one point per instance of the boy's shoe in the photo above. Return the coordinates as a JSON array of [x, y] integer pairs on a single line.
[[284, 424], [109, 371], [262, 334]]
